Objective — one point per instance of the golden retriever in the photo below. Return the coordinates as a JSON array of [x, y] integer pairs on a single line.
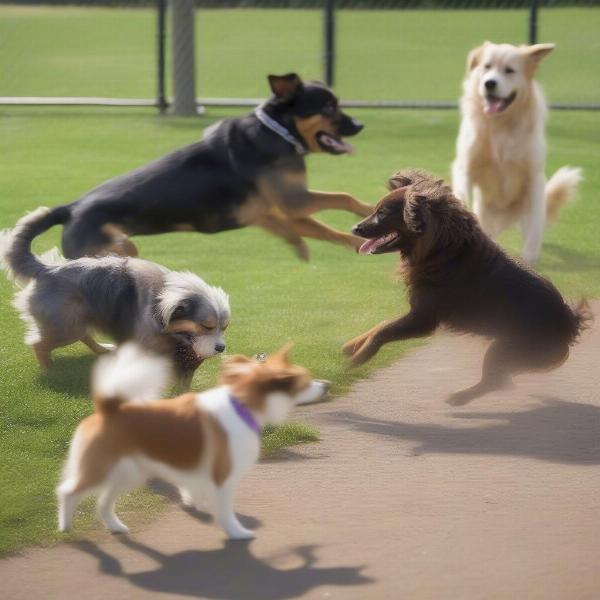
[[501, 147]]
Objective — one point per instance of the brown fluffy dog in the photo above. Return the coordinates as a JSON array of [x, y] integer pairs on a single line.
[[456, 276]]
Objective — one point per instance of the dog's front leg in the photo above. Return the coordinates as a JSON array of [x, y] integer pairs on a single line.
[[309, 227], [534, 221], [461, 182], [226, 517], [336, 200], [414, 324]]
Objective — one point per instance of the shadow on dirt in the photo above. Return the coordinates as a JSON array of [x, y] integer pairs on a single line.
[[231, 572], [555, 431]]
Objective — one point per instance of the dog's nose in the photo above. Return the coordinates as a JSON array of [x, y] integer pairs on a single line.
[[357, 229], [220, 347], [490, 84]]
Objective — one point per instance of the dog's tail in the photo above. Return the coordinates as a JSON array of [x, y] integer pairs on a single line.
[[16, 257], [582, 319], [561, 189], [129, 374]]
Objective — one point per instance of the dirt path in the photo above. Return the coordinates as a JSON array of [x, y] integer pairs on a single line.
[[405, 497]]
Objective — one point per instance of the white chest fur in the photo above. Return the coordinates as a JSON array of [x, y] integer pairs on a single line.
[[244, 443]]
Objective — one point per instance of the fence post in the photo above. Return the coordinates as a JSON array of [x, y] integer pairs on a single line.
[[329, 41], [533, 21], [161, 94], [184, 74]]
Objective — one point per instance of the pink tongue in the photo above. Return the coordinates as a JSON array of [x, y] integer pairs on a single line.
[[367, 246], [494, 106], [338, 145]]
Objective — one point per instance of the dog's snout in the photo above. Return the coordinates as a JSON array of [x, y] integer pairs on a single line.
[[220, 347], [357, 229], [490, 84]]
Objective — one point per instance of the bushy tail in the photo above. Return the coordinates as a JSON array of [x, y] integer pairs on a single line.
[[561, 189], [582, 318], [15, 244], [128, 374]]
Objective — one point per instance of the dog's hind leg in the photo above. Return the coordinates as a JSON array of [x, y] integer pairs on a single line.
[[83, 238], [69, 494], [498, 366], [282, 229], [49, 341], [124, 476], [505, 358], [43, 353]]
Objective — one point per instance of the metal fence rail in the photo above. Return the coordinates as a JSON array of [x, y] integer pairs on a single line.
[[329, 44]]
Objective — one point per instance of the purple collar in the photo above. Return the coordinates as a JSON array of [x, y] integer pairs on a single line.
[[244, 414]]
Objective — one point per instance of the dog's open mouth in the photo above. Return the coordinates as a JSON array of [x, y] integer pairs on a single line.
[[333, 145], [495, 105], [378, 245]]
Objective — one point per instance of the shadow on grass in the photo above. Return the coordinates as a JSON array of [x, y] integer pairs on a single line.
[[555, 431], [568, 260], [69, 375], [231, 572]]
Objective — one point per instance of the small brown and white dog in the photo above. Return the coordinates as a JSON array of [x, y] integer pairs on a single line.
[[201, 443], [501, 147]]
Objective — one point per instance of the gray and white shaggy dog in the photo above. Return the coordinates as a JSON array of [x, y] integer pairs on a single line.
[[176, 314]]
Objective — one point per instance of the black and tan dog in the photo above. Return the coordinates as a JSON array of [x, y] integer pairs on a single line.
[[245, 171], [458, 277]]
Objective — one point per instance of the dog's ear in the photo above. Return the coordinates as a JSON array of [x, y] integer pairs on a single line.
[[474, 57], [285, 86], [281, 355], [415, 207], [534, 54], [235, 368], [398, 180]]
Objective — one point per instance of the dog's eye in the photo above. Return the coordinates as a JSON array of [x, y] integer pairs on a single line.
[[487, 66], [509, 70], [329, 110]]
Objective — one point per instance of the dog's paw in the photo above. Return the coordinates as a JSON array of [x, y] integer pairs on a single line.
[[354, 345], [302, 252], [186, 498], [365, 353], [460, 398], [241, 534], [119, 528], [348, 348], [105, 347]]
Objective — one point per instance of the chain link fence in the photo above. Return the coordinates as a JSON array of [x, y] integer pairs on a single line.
[[383, 52]]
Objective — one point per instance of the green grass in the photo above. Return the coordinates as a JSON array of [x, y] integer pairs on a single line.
[[289, 434], [398, 54], [51, 156]]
